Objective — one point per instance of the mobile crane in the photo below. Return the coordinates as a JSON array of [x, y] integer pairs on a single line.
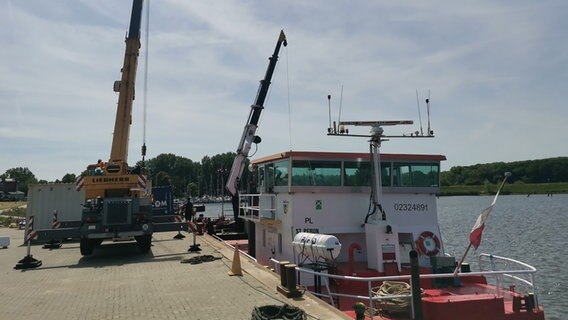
[[249, 137], [118, 199], [117, 203]]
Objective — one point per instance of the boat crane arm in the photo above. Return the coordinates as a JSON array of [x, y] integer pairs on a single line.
[[249, 137], [125, 88]]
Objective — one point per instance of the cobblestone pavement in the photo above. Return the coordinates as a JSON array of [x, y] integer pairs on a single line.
[[117, 282]]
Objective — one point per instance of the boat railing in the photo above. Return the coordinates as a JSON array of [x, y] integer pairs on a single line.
[[257, 207], [510, 281], [522, 273]]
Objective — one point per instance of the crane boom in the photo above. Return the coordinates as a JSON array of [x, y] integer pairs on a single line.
[[126, 87], [248, 137]]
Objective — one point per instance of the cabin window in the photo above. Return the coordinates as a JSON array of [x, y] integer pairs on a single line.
[[316, 173], [281, 173], [416, 174], [269, 176], [261, 181], [358, 174]]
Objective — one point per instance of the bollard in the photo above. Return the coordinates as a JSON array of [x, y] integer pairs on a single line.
[[415, 280], [359, 308], [282, 270], [289, 288], [290, 270]]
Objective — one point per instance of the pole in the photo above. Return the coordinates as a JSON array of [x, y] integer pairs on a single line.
[[458, 266], [415, 285]]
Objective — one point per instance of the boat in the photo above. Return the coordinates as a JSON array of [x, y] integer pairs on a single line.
[[361, 230]]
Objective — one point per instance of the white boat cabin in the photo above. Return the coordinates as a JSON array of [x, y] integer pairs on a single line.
[[330, 193]]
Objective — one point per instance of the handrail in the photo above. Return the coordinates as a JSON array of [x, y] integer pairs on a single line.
[[260, 211], [499, 259], [529, 270]]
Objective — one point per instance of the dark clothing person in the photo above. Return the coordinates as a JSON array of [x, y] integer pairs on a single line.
[[188, 210]]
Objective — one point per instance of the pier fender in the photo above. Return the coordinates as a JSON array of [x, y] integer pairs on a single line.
[[351, 262], [428, 244]]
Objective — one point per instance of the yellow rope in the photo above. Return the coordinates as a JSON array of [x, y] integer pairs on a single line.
[[393, 305]]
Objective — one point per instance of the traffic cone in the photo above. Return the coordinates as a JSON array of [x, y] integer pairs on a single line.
[[236, 267]]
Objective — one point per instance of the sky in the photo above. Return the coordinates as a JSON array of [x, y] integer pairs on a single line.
[[496, 73]]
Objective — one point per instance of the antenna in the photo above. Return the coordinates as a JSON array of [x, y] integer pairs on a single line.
[[430, 132], [419, 116], [340, 105], [329, 108]]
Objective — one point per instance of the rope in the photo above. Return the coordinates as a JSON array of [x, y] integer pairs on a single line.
[[394, 305], [146, 56], [274, 312], [289, 107], [200, 259]]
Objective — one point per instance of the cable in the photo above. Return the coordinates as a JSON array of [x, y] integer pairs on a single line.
[[146, 55], [289, 107]]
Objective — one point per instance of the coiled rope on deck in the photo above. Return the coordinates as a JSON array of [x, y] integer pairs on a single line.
[[392, 305], [200, 259], [275, 312]]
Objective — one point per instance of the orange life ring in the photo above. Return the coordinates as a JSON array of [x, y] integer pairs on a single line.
[[428, 244]]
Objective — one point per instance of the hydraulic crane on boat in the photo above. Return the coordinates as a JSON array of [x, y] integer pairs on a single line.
[[249, 137]]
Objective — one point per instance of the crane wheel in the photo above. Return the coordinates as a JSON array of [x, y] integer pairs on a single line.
[[87, 246]]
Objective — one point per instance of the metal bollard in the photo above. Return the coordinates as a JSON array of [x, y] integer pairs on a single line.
[[290, 270], [282, 270]]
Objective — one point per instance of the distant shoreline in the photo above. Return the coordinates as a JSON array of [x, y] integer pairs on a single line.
[[516, 188]]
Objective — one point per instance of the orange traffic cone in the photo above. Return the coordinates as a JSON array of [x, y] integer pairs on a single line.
[[236, 267]]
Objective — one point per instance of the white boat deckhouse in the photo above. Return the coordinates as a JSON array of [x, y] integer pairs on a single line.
[[330, 193]]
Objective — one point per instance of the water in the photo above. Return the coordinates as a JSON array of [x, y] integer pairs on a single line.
[[529, 229]]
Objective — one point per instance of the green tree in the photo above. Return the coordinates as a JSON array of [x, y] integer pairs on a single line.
[[192, 187], [69, 178]]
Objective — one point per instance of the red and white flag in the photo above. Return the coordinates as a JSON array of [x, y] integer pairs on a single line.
[[475, 234]]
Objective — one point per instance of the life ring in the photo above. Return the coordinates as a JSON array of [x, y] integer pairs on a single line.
[[428, 244]]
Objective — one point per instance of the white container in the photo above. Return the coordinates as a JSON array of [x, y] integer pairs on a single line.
[[316, 245], [43, 199]]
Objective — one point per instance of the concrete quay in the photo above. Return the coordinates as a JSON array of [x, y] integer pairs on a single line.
[[118, 282]]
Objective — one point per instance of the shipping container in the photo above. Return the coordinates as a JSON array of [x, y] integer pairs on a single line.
[[44, 199]]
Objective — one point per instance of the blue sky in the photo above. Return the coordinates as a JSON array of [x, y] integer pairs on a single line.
[[496, 70]]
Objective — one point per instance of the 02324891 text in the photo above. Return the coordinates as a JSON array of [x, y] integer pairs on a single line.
[[410, 207]]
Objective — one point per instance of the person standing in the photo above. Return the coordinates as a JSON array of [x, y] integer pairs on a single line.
[[188, 210]]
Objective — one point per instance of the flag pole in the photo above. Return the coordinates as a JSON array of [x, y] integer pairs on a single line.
[[458, 266]]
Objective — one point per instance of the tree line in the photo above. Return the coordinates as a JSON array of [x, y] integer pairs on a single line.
[[550, 170], [208, 176]]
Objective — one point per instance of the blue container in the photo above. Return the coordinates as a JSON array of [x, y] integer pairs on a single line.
[[163, 201]]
